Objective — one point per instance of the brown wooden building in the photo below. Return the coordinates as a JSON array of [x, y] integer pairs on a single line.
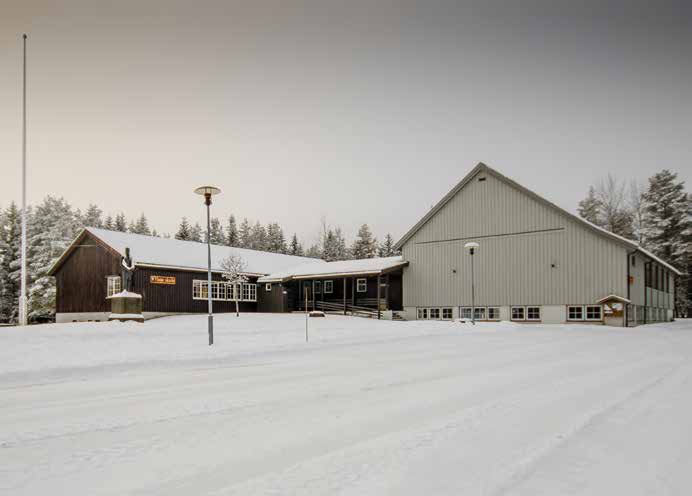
[[171, 277]]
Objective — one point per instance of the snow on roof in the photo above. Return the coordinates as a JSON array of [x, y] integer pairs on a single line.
[[340, 268], [174, 253]]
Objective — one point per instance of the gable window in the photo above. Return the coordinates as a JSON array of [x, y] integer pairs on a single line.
[[533, 313], [518, 313], [422, 313], [493, 313], [575, 312], [593, 312], [328, 286], [447, 313], [268, 286], [362, 285], [113, 285]]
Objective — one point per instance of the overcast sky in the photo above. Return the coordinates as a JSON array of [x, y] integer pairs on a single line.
[[356, 111]]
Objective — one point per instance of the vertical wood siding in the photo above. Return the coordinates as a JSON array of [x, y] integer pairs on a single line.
[[520, 239]]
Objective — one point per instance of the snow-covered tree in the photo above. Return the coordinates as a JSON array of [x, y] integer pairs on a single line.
[[365, 245], [234, 272], [635, 204], [245, 234], [607, 206], [296, 248], [196, 233], [231, 232], [120, 223], [216, 232], [276, 241], [258, 237], [667, 228], [314, 251], [92, 217], [590, 208], [184, 230], [386, 249], [334, 246], [108, 223], [10, 252], [142, 226]]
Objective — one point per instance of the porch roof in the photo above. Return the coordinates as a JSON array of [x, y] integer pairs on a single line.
[[342, 268]]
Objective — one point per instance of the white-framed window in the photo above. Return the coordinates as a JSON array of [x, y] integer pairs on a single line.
[[533, 313], [318, 287], [434, 314], [479, 313], [447, 314], [594, 312], [362, 285], [113, 285], [518, 313], [268, 286], [493, 313], [422, 313], [575, 312], [328, 286], [465, 312], [224, 291], [199, 290]]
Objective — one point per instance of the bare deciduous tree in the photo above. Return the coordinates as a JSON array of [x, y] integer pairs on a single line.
[[234, 272]]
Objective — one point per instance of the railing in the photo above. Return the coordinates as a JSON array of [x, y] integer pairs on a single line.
[[349, 309]]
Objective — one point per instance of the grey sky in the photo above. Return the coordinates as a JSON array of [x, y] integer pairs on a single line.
[[357, 111]]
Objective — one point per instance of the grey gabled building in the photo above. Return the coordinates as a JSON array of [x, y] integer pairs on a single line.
[[535, 262]]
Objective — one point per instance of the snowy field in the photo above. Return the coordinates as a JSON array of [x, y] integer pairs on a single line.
[[364, 408]]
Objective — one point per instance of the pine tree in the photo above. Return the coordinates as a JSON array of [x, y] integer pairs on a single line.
[[120, 223], [108, 223], [365, 246], [258, 237], [196, 233], [296, 248], [667, 228], [217, 235], [245, 234], [232, 232], [276, 241], [184, 231], [386, 249], [334, 246], [314, 251], [590, 208], [92, 217], [10, 252], [142, 226]]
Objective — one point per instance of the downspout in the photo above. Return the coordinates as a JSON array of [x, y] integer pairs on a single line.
[[646, 308], [629, 261]]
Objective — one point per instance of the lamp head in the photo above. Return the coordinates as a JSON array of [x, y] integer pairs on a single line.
[[207, 192], [471, 246]]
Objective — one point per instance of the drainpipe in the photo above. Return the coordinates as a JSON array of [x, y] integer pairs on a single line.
[[646, 308], [629, 262]]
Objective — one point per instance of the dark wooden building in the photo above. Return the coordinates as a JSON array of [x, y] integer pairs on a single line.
[[171, 277]]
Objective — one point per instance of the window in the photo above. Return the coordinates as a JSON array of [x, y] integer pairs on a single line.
[[249, 292], [361, 285], [113, 285], [435, 313], [533, 313], [493, 313], [220, 290], [593, 312], [224, 291], [465, 312], [518, 313], [268, 286], [318, 287], [328, 286], [479, 313], [575, 312], [199, 290], [422, 313], [447, 313]]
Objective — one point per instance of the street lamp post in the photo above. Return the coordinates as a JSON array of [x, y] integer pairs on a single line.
[[208, 192], [471, 247]]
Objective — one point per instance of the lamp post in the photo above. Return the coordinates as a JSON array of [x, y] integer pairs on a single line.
[[471, 247], [208, 192]]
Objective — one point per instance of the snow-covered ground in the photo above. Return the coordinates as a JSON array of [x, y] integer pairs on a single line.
[[364, 408]]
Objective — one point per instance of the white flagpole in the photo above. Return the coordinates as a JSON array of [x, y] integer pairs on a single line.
[[23, 320]]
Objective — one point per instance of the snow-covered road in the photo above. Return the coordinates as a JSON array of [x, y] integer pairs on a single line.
[[365, 408]]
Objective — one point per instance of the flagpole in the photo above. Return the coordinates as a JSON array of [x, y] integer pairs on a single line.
[[23, 320]]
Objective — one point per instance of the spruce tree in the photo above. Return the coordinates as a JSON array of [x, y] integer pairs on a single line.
[[108, 223], [296, 248], [120, 223], [196, 233], [590, 208], [231, 232], [10, 252], [365, 246], [183, 232], [667, 228], [92, 217], [258, 237], [142, 226], [245, 234], [386, 249], [217, 235]]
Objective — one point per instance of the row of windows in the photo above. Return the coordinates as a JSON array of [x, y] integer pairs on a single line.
[[224, 291], [526, 313], [521, 313], [584, 312], [656, 277], [435, 313], [480, 313], [361, 286]]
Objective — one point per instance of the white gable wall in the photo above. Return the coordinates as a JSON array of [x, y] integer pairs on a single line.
[[520, 239]]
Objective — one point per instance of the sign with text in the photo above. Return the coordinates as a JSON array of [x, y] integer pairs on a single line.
[[170, 280]]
